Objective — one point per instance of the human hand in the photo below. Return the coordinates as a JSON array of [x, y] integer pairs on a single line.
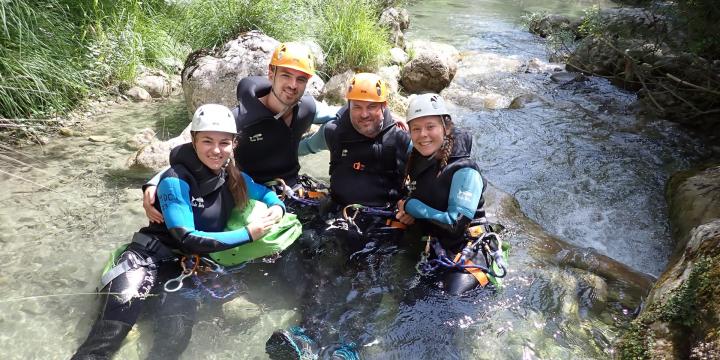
[[259, 227], [274, 213], [151, 212], [402, 216], [405, 218], [400, 122]]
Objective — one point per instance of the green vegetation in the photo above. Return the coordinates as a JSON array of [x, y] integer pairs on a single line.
[[685, 309], [701, 18], [349, 34], [55, 53]]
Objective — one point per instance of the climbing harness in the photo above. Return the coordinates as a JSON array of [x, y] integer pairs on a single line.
[[307, 191], [480, 240], [350, 213], [193, 265], [194, 260]]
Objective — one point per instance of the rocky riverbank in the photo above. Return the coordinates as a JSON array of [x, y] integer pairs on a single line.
[[644, 49]]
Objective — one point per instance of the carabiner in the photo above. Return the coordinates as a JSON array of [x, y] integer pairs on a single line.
[[183, 275], [212, 265]]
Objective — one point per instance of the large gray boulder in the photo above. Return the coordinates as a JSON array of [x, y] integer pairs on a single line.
[[213, 77], [396, 21], [155, 154], [336, 88], [432, 67]]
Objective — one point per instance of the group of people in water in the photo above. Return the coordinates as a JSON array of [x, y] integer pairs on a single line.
[[385, 175]]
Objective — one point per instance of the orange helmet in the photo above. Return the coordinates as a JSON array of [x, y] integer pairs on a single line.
[[367, 87], [294, 56]]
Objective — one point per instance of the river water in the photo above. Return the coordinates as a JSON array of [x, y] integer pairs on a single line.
[[580, 163]]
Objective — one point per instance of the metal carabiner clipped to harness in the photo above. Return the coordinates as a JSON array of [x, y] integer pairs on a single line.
[[183, 275]]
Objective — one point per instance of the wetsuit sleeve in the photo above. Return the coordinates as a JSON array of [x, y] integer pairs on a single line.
[[262, 193], [174, 195], [314, 143], [465, 192], [155, 179], [324, 112]]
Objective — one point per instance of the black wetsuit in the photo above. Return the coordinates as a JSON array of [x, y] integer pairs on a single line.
[[196, 204], [268, 148]]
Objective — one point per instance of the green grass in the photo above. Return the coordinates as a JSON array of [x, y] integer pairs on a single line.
[[349, 34], [54, 53]]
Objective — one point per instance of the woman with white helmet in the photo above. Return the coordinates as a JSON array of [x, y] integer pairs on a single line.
[[444, 185], [196, 197]]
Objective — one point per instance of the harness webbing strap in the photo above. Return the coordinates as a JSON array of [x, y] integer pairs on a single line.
[[122, 268], [479, 275], [150, 243]]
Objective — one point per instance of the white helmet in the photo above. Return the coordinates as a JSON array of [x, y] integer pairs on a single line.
[[425, 105], [213, 117]]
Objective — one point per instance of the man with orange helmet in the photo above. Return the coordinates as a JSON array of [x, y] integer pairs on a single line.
[[368, 153], [273, 113], [367, 150]]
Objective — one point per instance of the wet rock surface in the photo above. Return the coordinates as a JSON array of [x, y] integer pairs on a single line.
[[680, 317]]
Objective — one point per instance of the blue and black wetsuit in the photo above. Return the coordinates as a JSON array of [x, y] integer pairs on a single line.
[[445, 201], [196, 204]]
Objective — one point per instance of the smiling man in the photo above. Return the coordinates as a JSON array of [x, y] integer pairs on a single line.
[[367, 150], [273, 113]]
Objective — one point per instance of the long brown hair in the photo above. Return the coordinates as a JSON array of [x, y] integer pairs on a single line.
[[443, 154], [236, 183]]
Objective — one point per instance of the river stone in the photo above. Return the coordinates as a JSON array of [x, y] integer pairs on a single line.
[[137, 93], [65, 131], [547, 25], [431, 69], [212, 77], [156, 85], [175, 84], [99, 138], [687, 292], [566, 77], [398, 56], [396, 21], [240, 309], [693, 199], [315, 86], [155, 155], [317, 53], [525, 100], [390, 74], [144, 137], [336, 87]]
